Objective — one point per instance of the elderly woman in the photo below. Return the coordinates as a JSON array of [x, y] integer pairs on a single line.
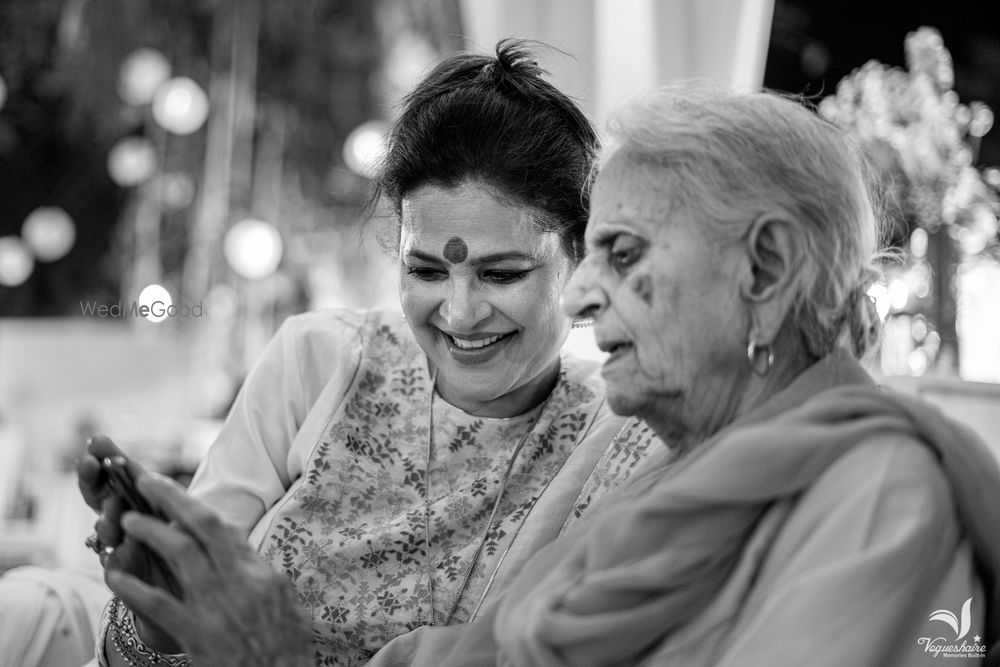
[[810, 517], [398, 470]]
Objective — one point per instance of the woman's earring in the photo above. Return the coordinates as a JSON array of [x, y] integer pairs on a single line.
[[755, 352], [583, 324]]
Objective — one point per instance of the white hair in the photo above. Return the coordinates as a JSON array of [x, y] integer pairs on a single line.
[[731, 157]]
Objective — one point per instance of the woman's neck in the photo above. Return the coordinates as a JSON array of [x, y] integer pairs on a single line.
[[521, 399], [684, 421]]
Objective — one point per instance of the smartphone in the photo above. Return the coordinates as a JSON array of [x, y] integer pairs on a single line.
[[123, 485]]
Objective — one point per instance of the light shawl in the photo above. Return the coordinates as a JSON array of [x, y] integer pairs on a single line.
[[615, 586], [48, 616]]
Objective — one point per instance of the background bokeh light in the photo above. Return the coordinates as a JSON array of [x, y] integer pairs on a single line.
[[49, 232], [180, 105], [364, 147], [132, 161], [141, 73], [16, 262], [253, 248]]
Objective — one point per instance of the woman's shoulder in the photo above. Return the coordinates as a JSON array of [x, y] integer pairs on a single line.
[[885, 477], [880, 445], [342, 326], [321, 343], [338, 322]]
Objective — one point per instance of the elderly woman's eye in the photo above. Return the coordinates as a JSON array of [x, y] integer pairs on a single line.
[[625, 251]]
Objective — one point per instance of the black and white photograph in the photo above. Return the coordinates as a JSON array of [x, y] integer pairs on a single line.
[[515, 333]]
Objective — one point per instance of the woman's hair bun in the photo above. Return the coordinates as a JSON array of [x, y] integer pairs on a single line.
[[514, 70], [514, 56], [494, 119]]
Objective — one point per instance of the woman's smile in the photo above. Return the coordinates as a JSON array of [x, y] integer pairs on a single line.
[[480, 285], [479, 349]]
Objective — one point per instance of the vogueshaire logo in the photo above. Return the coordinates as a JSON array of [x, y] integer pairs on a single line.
[[960, 624], [154, 303], [961, 628]]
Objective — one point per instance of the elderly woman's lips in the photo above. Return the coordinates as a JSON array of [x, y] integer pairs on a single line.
[[616, 350], [611, 348]]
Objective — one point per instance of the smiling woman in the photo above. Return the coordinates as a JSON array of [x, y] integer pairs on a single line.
[[488, 317], [398, 469]]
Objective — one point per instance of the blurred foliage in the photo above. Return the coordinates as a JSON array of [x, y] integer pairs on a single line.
[[924, 141], [318, 73]]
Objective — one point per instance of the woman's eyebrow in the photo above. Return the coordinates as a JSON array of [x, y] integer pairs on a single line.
[[607, 232], [511, 255], [603, 238], [503, 256], [423, 256]]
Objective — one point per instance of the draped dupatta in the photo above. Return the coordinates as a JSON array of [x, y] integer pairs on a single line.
[[618, 584]]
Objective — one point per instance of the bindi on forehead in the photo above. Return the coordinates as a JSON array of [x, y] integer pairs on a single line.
[[455, 250]]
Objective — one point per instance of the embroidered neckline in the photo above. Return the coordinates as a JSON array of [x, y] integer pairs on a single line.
[[491, 523]]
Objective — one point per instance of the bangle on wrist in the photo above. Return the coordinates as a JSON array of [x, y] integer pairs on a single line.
[[130, 646]]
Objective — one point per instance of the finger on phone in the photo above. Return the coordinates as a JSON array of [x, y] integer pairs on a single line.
[[199, 520], [101, 446], [129, 556], [171, 544], [108, 526], [134, 468], [88, 479]]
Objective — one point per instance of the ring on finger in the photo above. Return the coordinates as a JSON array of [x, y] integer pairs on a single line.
[[95, 544]]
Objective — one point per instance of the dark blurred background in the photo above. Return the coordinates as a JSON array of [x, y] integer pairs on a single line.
[[815, 43], [294, 78], [313, 70]]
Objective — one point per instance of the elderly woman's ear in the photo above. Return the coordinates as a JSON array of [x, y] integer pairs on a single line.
[[772, 247]]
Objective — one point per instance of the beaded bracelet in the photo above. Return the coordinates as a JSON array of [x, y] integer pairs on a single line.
[[130, 646]]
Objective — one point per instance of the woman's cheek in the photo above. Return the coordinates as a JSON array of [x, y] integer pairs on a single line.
[[416, 297], [641, 284], [535, 300]]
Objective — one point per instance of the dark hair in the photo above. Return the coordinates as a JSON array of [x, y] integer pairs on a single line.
[[494, 120]]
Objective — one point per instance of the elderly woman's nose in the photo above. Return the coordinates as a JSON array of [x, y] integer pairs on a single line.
[[582, 296], [463, 308]]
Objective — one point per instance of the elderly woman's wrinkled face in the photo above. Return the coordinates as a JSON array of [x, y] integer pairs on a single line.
[[480, 286], [664, 299]]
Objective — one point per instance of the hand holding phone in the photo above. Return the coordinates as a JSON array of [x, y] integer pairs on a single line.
[[153, 570], [123, 485]]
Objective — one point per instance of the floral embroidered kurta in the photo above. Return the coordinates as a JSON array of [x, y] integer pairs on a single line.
[[322, 462], [827, 527]]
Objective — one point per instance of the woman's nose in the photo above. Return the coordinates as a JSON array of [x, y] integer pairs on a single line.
[[463, 307], [583, 296]]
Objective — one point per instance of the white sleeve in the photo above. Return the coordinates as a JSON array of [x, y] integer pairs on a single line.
[[257, 455]]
